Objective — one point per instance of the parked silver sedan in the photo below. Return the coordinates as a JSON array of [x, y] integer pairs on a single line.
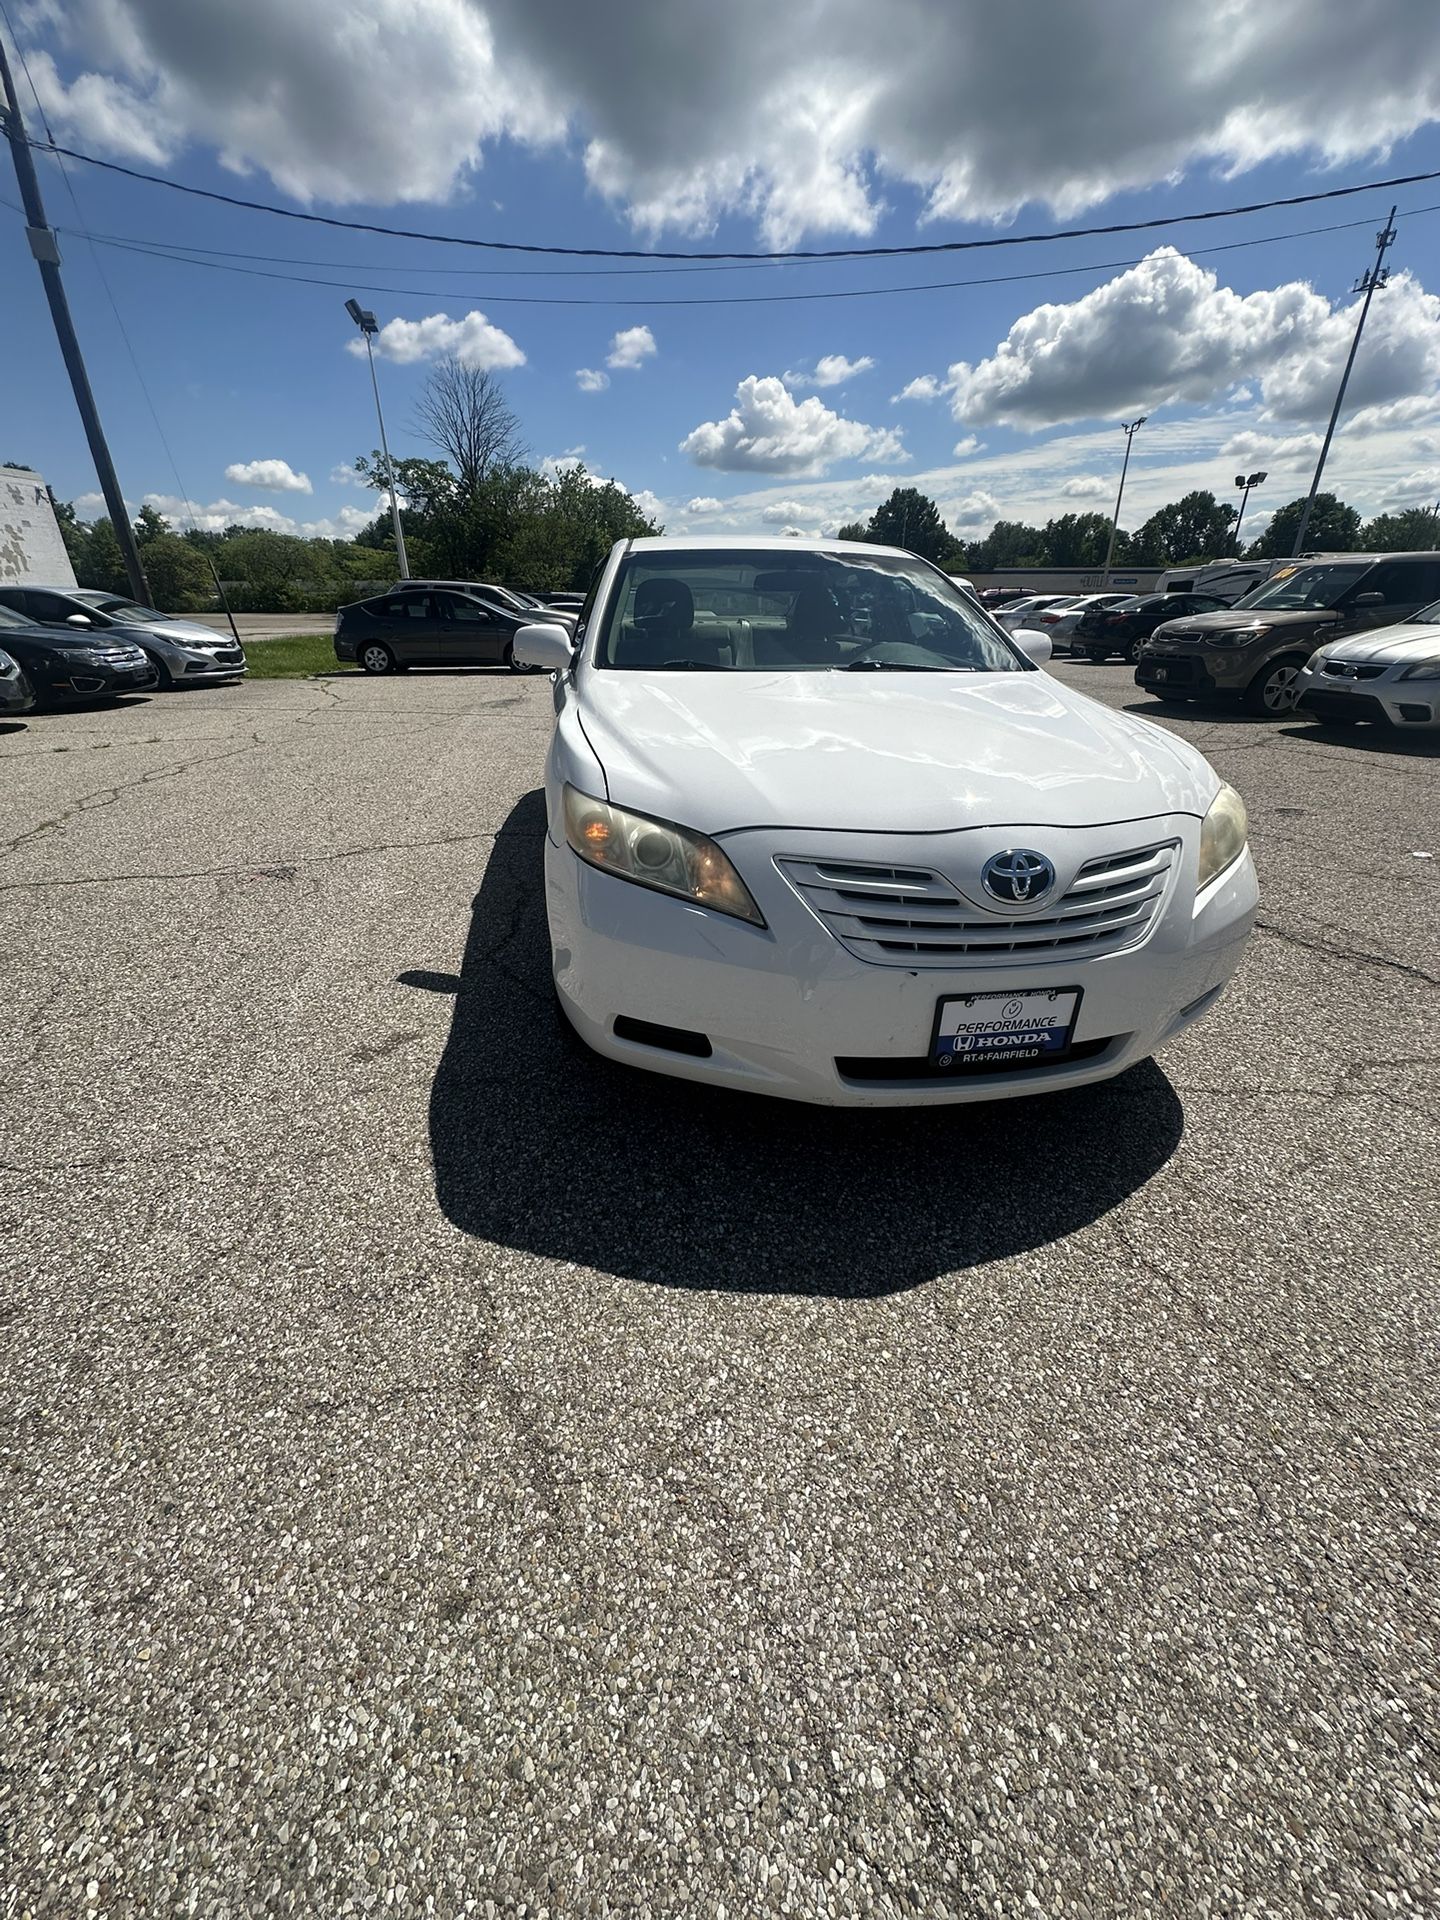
[[1390, 676], [182, 652]]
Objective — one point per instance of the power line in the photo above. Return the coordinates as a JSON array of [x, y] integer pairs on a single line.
[[158, 251], [184, 250], [811, 253]]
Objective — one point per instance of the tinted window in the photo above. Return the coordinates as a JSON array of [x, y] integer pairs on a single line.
[[1404, 583], [470, 613], [405, 606], [1307, 589], [55, 606]]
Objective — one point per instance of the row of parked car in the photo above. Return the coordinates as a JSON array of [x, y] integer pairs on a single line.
[[1344, 638], [68, 645]]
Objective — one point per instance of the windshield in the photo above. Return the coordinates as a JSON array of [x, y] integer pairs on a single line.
[[122, 610], [760, 611], [1427, 616], [1299, 589], [9, 618]]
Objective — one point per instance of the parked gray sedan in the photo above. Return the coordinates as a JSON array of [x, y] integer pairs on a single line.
[[429, 627], [181, 651]]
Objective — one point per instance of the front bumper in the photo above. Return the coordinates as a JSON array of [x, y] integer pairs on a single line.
[[98, 682], [789, 1011], [1412, 704]]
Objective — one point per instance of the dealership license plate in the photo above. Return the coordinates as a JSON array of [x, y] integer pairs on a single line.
[[977, 1031]]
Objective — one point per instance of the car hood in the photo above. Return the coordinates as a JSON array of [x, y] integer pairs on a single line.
[[184, 633], [1408, 641], [900, 753], [1244, 617]]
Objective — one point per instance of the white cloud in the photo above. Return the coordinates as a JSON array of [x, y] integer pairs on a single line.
[[271, 476], [630, 347], [88, 505], [831, 370], [1251, 450], [784, 510], [650, 504], [591, 380], [800, 116], [704, 503], [1166, 331], [973, 513], [769, 431], [966, 446], [924, 387], [344, 475], [1086, 486], [1418, 489], [473, 340]]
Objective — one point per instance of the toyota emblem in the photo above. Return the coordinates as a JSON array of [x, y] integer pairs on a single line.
[[1017, 876]]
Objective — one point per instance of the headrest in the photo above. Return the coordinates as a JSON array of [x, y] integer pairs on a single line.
[[665, 603]]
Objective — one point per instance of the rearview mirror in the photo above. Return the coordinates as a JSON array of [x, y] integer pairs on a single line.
[[83, 619], [549, 648], [1035, 646]]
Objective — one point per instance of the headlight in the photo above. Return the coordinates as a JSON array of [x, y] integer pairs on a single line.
[[1222, 837], [1233, 636], [1423, 670], [658, 854]]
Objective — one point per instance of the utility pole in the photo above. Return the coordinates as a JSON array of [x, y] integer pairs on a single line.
[[1369, 283], [45, 248], [366, 322], [1129, 433]]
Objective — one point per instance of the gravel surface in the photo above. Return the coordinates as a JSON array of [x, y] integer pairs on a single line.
[[446, 1475]]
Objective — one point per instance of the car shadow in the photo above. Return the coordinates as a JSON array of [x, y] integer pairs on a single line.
[[539, 1144], [1373, 738]]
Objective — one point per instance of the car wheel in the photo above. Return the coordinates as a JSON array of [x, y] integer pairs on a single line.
[[376, 657], [166, 679], [512, 663], [1272, 691], [1133, 652]]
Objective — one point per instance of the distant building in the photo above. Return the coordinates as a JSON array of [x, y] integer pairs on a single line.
[[31, 546]]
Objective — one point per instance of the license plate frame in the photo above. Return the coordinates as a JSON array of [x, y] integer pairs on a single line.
[[1031, 1004]]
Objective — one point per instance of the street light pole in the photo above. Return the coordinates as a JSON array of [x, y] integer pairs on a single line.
[[1369, 282], [365, 320], [1245, 485], [46, 251], [1129, 432]]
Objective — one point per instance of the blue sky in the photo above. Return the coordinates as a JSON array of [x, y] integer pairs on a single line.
[[487, 121]]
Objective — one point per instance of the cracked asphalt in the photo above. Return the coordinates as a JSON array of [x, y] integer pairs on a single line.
[[445, 1475]]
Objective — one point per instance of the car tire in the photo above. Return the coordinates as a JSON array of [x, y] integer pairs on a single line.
[[1272, 692], [165, 680], [512, 663], [1133, 651], [375, 657]]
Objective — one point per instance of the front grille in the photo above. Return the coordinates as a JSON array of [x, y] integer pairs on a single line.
[[118, 656], [909, 916], [1353, 669]]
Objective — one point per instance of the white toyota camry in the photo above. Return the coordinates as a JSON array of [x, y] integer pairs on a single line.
[[819, 828]]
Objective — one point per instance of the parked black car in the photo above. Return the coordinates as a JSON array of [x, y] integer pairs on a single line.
[[1126, 628], [428, 627], [17, 696], [75, 664], [183, 652]]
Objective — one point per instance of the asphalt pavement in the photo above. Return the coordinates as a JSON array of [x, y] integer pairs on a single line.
[[447, 1475]]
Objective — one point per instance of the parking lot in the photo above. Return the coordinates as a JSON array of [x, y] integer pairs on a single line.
[[450, 1475]]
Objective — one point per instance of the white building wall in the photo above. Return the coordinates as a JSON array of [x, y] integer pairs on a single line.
[[32, 551]]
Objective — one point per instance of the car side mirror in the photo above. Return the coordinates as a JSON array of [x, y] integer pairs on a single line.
[[1034, 645], [1368, 600], [78, 620], [549, 648]]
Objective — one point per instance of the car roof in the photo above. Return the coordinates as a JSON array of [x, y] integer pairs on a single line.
[[759, 542]]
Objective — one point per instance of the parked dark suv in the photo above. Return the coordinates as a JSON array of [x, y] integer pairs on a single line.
[[1254, 650], [1125, 629]]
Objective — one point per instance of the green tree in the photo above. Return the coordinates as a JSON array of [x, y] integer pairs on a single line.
[[1333, 528], [1077, 539], [150, 525], [910, 519], [1195, 527], [102, 565], [1414, 530], [1009, 543], [179, 576], [852, 530]]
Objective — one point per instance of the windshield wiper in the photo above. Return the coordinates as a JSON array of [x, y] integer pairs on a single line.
[[899, 666], [692, 666]]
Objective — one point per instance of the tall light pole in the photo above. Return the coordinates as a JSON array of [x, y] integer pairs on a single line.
[[1369, 284], [365, 321], [1244, 485], [1129, 433]]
